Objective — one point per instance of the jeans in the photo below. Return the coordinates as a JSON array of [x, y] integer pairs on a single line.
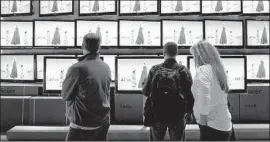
[[99, 134], [176, 131], [210, 134]]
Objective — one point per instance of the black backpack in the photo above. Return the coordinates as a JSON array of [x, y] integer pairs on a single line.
[[169, 102]]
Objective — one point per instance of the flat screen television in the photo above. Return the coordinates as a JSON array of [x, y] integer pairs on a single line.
[[257, 34], [54, 34], [236, 70], [221, 7], [17, 68], [184, 33], [40, 64], [107, 30], [16, 8], [96, 7], [258, 68], [139, 34], [255, 7], [55, 69], [55, 7], [224, 33], [16, 34], [180, 7], [138, 7], [132, 71]]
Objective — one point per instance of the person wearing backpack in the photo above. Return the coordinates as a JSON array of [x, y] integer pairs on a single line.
[[168, 88]]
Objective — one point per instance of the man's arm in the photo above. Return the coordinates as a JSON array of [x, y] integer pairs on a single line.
[[186, 82], [70, 84], [147, 85]]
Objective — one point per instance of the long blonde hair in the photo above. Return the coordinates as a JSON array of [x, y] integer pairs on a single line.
[[205, 53]]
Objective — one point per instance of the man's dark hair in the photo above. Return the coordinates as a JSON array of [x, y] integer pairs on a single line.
[[91, 42], [170, 49]]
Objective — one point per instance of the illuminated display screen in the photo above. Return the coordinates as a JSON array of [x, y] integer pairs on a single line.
[[15, 7], [138, 6], [258, 33], [93, 7], [55, 7], [180, 6], [258, 67], [221, 6], [255, 6]]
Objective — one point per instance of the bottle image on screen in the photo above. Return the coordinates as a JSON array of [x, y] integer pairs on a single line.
[[140, 37], [182, 37], [7, 37], [228, 5], [103, 6], [149, 40], [22, 72], [219, 6], [223, 38], [66, 38], [174, 35], [14, 70], [7, 71], [260, 6], [20, 6], [25, 38], [258, 37], [96, 6], [261, 70], [16, 36], [264, 38], [143, 76], [98, 33], [49, 5], [190, 37], [62, 6], [253, 70], [172, 6], [61, 78], [179, 6], [231, 38], [55, 6], [132, 37], [107, 37], [56, 36], [216, 37], [144, 6], [48, 37], [133, 78], [137, 6], [14, 6], [89, 6]]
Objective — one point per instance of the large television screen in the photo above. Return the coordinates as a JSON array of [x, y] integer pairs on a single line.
[[17, 33], [235, 67], [221, 6], [224, 33], [54, 33], [258, 33], [55, 69], [16, 7], [107, 30], [132, 71], [139, 33], [138, 7], [258, 68], [17, 68], [184, 33], [110, 60], [179, 7], [96, 7], [255, 6], [55, 7]]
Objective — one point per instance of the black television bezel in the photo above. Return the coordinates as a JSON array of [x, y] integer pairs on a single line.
[[179, 14], [141, 13], [51, 47], [186, 46], [55, 14], [21, 80], [20, 14], [116, 71], [257, 80], [102, 46], [96, 14], [138, 47], [252, 14], [222, 14], [226, 46], [246, 39], [245, 72], [20, 47]]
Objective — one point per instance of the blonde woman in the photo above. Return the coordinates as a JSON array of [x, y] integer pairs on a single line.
[[210, 90]]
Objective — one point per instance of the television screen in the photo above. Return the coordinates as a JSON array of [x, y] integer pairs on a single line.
[[138, 6], [221, 6], [139, 33], [184, 33], [110, 60], [15, 7], [235, 69], [224, 33], [92, 7], [257, 33], [258, 67], [16, 33], [107, 30], [55, 72], [54, 33], [256, 6], [40, 64], [17, 67], [180, 7], [55, 7], [130, 77], [182, 60]]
